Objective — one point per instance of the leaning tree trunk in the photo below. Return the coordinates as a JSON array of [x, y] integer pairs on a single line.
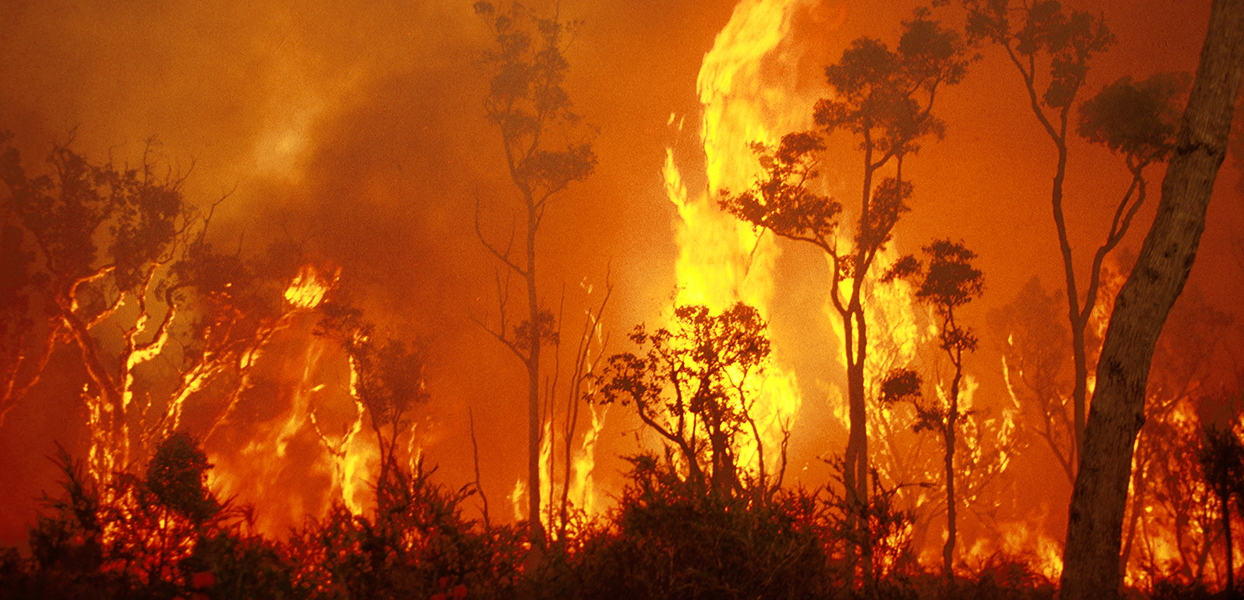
[[1095, 523]]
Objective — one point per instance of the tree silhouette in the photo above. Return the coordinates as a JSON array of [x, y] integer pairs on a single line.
[[1163, 491], [1033, 342], [546, 150], [946, 283], [100, 236], [1133, 119], [386, 377], [694, 386], [1222, 462], [885, 98]]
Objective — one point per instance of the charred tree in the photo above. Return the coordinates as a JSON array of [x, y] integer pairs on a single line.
[[91, 238], [1140, 310]]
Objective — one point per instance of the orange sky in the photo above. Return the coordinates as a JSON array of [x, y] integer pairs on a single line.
[[357, 130]]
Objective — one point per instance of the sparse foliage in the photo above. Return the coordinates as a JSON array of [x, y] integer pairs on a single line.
[[948, 282]]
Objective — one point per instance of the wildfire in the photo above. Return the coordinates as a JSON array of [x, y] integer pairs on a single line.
[[583, 490], [745, 87], [307, 289]]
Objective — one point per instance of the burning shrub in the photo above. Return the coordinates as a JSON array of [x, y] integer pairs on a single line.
[[161, 536], [1006, 577], [416, 545], [885, 539], [670, 539]]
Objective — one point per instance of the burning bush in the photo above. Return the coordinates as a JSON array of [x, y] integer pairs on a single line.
[[670, 539], [161, 536], [417, 544]]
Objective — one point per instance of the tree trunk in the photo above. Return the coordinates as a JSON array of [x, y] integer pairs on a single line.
[[534, 422], [855, 471], [1226, 529], [1095, 522], [952, 416]]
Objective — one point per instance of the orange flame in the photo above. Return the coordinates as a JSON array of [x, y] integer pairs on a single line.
[[745, 91], [308, 288]]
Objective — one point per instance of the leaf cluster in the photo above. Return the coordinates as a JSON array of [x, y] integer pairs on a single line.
[[690, 385], [528, 102], [1044, 28], [687, 370], [886, 95], [138, 215], [1136, 118], [781, 200]]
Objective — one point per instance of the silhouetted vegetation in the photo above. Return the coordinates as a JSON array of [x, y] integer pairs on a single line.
[[165, 535]]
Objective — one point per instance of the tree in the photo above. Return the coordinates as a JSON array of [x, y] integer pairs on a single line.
[[527, 103], [1221, 456], [1131, 119], [885, 97], [143, 223], [177, 475], [386, 377], [948, 282], [694, 386], [1033, 343], [1165, 496], [1141, 307]]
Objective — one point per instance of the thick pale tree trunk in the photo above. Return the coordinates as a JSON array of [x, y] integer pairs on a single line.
[[1095, 524]]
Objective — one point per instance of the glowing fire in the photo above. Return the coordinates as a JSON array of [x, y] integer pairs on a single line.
[[745, 88], [582, 489], [308, 288], [344, 453]]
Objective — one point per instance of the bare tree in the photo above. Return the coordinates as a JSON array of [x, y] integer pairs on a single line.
[[1033, 343]]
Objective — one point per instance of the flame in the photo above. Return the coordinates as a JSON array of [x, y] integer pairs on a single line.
[[546, 477], [347, 461], [249, 472], [308, 287], [745, 87], [583, 490], [517, 499]]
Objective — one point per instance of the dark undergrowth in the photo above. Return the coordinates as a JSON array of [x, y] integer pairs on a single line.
[[164, 535]]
